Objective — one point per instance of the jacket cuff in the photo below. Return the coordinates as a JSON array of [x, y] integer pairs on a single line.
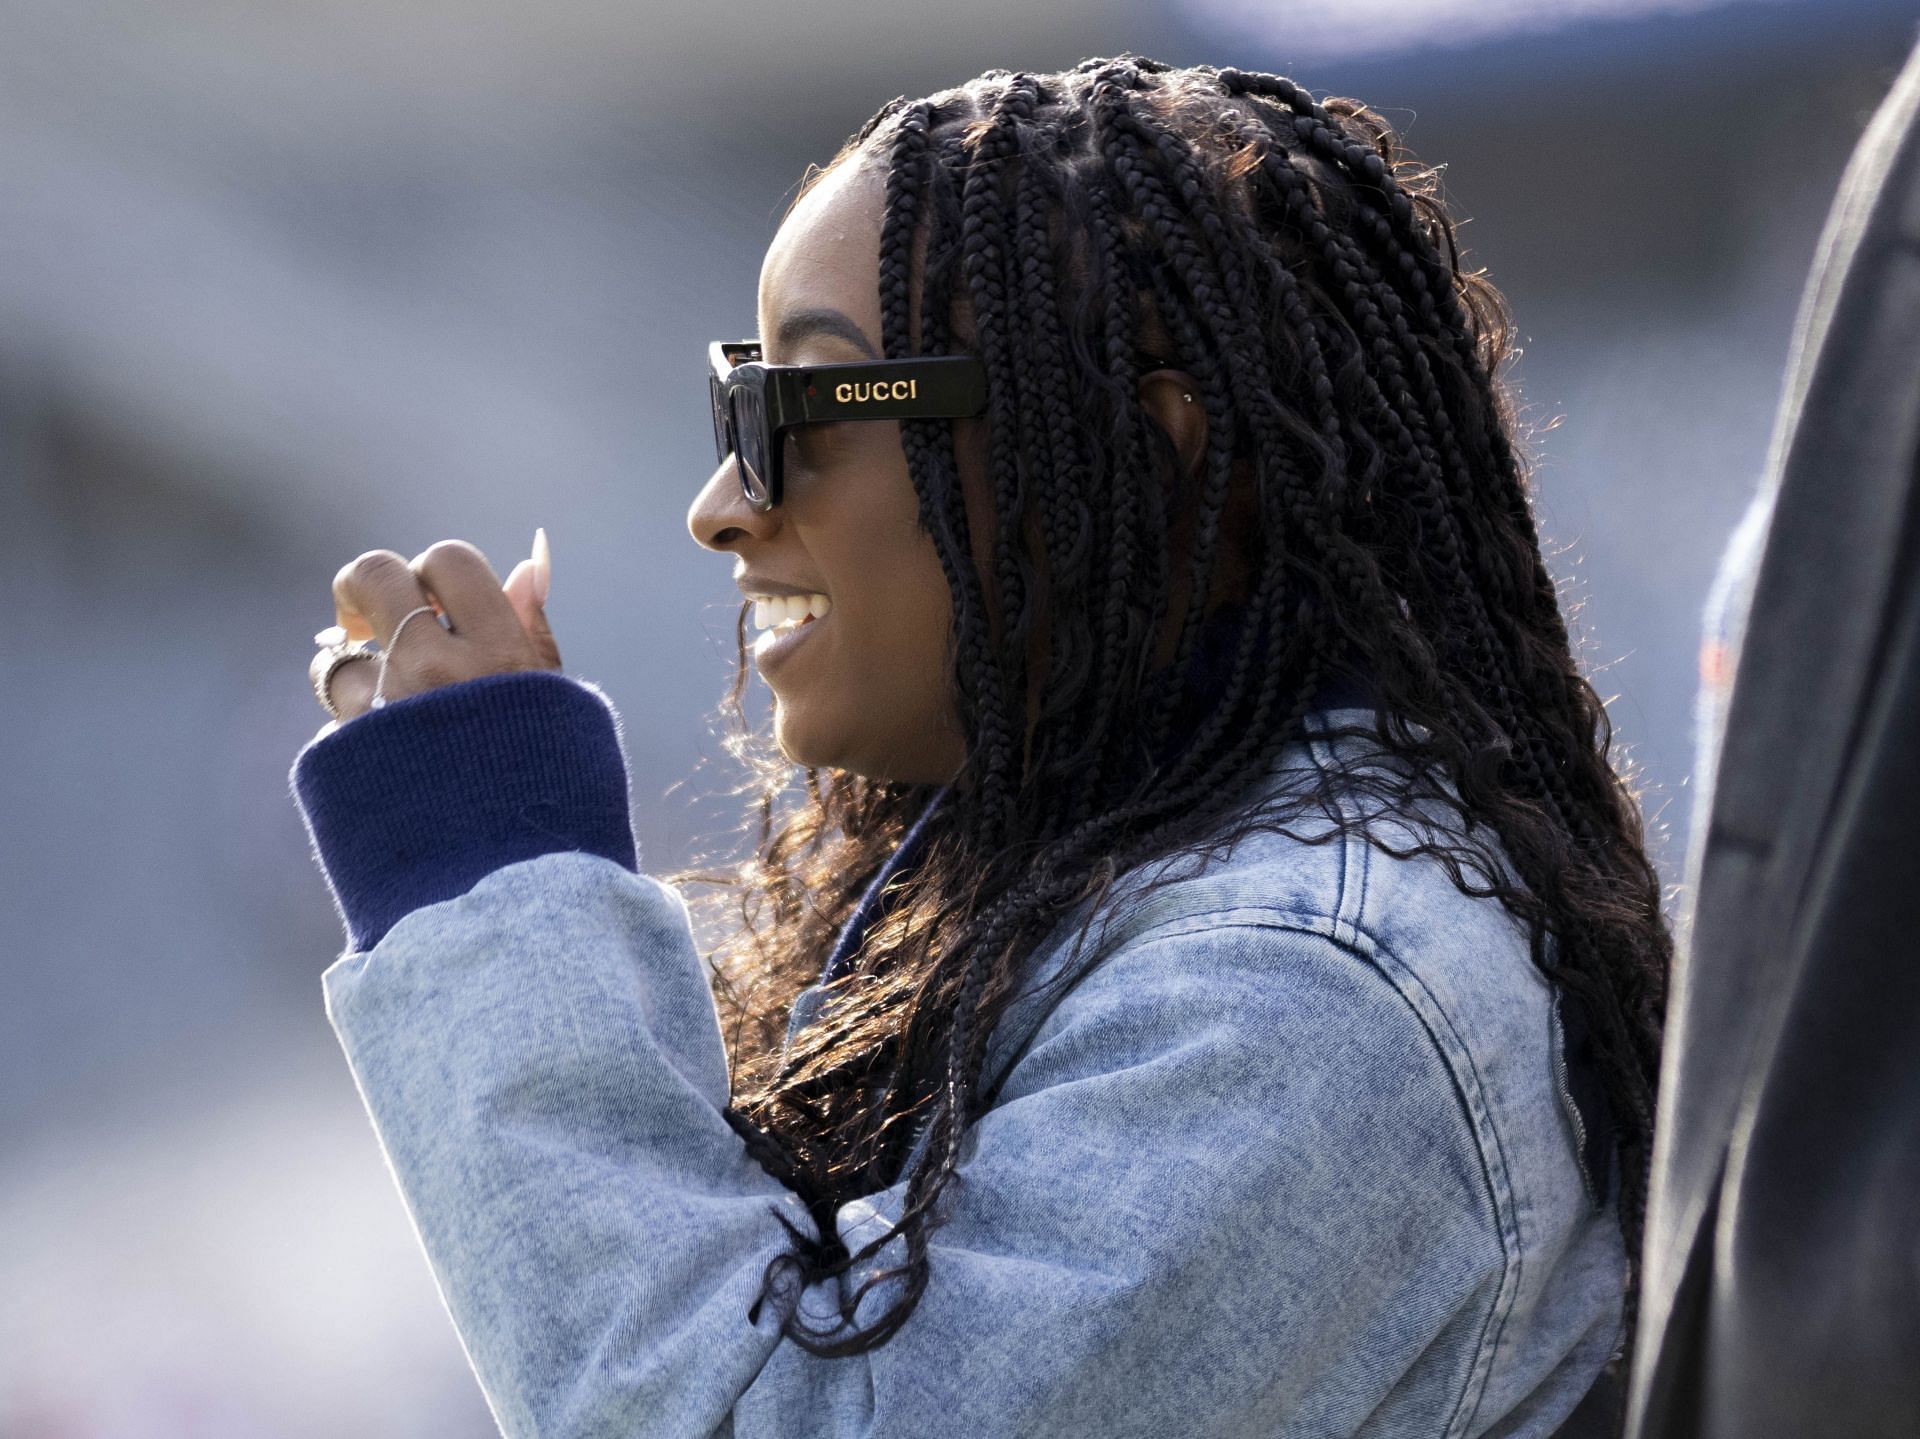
[[416, 802]]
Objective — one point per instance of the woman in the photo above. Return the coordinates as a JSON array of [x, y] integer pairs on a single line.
[[1210, 981]]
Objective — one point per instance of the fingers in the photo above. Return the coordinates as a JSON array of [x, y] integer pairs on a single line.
[[373, 593], [520, 590], [491, 629], [457, 574], [351, 688]]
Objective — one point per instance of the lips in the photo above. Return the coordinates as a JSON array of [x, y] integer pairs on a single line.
[[774, 646]]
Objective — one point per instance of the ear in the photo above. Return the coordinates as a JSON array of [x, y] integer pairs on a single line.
[[1173, 400]]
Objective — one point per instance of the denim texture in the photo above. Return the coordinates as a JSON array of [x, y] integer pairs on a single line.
[[1294, 1158]]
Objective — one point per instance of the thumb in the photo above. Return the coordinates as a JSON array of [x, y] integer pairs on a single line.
[[532, 614]]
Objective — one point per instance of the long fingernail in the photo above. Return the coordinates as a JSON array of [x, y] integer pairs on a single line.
[[542, 566]]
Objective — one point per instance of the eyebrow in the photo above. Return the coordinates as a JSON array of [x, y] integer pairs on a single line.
[[801, 324]]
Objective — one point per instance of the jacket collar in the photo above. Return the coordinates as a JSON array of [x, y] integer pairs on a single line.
[[1219, 637]]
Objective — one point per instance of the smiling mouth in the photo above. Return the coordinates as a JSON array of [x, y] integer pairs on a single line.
[[775, 641]]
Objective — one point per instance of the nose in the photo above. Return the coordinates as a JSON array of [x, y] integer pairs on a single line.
[[720, 516]]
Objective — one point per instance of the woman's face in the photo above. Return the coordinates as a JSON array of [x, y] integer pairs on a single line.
[[866, 688]]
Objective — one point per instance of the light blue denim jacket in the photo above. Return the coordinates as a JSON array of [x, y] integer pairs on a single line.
[[1296, 1157]]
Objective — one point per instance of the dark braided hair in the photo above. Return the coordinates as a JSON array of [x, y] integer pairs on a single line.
[[1361, 504]]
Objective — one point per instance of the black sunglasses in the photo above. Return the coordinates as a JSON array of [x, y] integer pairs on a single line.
[[754, 403]]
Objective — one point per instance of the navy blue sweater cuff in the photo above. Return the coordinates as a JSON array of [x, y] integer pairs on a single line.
[[417, 801]]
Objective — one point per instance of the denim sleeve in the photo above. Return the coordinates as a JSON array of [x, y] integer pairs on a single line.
[[1228, 1188]]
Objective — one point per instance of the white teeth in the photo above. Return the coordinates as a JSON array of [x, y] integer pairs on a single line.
[[785, 611]]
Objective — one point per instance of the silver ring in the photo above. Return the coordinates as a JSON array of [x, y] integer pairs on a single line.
[[379, 699], [333, 643]]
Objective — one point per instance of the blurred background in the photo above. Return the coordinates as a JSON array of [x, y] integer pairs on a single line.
[[280, 283]]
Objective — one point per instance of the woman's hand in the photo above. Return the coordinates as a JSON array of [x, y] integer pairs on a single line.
[[490, 628]]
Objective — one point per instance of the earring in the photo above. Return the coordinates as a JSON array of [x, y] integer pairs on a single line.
[[1187, 398]]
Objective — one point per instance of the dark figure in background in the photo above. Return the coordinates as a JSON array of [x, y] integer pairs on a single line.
[[1782, 1266]]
